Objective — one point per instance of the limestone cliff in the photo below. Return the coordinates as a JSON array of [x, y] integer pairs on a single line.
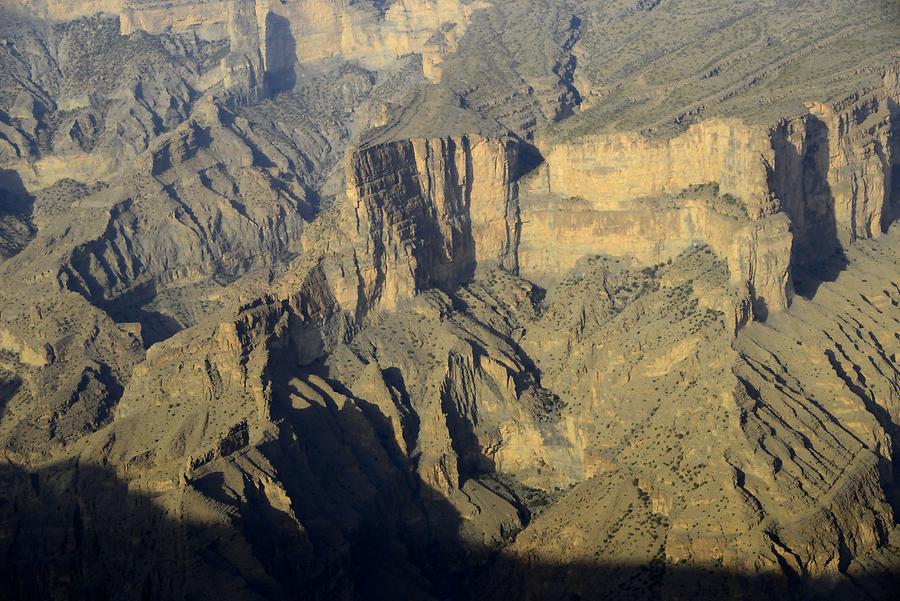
[[608, 180], [280, 32], [834, 170], [467, 203], [628, 195], [614, 169], [830, 171], [449, 299], [428, 211]]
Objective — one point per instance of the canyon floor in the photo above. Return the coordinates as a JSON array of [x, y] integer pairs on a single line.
[[449, 299]]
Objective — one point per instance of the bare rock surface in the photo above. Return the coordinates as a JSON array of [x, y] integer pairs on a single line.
[[449, 299]]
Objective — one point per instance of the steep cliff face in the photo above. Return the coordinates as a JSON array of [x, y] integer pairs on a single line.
[[269, 33], [558, 232], [252, 348], [614, 169], [602, 188], [744, 190], [834, 171], [375, 34], [465, 203], [428, 211]]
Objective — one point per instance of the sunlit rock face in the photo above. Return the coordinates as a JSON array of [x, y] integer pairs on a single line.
[[449, 299], [430, 210], [374, 33]]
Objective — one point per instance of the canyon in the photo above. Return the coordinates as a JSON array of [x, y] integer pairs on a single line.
[[447, 299]]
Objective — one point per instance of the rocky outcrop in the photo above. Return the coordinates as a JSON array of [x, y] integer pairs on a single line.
[[57, 130], [604, 190], [428, 211], [834, 171], [831, 171], [234, 52], [627, 195], [374, 34], [266, 33], [465, 203], [800, 480], [251, 348], [190, 213], [613, 170]]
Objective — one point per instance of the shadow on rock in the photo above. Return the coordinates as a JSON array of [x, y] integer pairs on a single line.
[[78, 532], [818, 254], [281, 55], [16, 206]]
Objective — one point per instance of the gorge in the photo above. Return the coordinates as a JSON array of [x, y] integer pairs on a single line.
[[448, 299]]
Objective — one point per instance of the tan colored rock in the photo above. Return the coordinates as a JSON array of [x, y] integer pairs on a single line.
[[35, 355], [318, 29], [612, 170], [428, 211], [833, 170]]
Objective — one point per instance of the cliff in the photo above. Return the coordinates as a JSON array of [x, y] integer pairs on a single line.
[[253, 348], [428, 211], [835, 170], [617, 168], [466, 203], [282, 32], [756, 195]]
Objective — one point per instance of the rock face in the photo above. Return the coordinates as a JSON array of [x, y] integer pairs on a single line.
[[375, 33], [623, 167], [465, 201], [428, 211], [837, 179], [442, 299], [609, 201]]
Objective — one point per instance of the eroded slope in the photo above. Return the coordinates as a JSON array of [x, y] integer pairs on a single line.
[[312, 299]]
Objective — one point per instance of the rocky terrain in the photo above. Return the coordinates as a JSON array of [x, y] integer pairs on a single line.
[[449, 299]]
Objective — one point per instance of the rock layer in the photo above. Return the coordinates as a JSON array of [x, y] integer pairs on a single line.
[[287, 312]]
